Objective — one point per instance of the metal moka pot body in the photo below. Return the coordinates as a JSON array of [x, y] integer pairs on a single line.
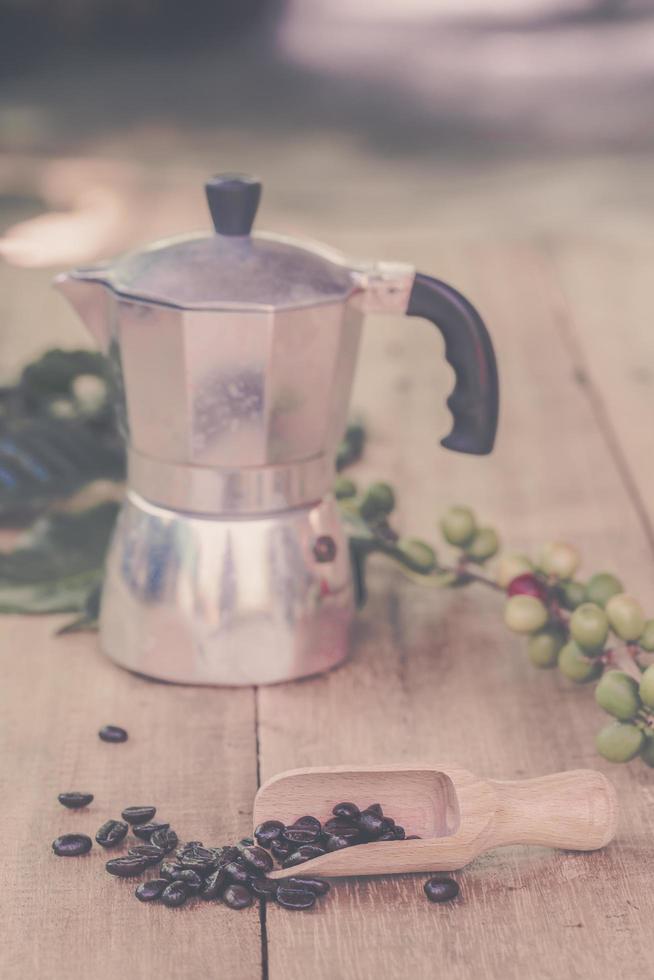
[[233, 357]]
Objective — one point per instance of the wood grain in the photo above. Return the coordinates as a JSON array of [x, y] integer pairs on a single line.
[[190, 751], [436, 675], [433, 676]]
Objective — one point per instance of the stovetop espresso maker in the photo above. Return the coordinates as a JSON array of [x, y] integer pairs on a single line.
[[233, 355]]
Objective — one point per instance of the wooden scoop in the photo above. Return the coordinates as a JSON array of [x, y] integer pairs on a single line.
[[457, 815]]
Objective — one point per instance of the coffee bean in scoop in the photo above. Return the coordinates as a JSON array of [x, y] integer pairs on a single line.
[[441, 888], [256, 858], [138, 814], [237, 896], [74, 801], [350, 811], [72, 845], [268, 831], [112, 733]]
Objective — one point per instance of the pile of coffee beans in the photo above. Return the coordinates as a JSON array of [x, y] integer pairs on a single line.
[[238, 874]]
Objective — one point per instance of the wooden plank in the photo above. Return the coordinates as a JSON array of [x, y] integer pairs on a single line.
[[435, 676], [606, 315], [191, 752]]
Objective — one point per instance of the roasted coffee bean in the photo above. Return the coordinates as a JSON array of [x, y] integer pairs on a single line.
[[399, 832], [202, 859], [191, 880], [73, 801], [256, 858], [441, 889], [280, 849], [316, 885], [413, 837], [174, 894], [165, 838], [72, 845], [306, 830], [214, 884], [268, 831], [246, 842], [112, 833], [138, 814], [338, 826], [169, 870], [264, 888], [351, 834], [370, 824], [149, 852], [387, 824], [304, 853], [389, 835], [237, 896], [350, 811], [237, 872], [112, 733], [229, 854], [126, 867], [374, 808], [295, 898], [144, 831], [337, 843], [150, 891]]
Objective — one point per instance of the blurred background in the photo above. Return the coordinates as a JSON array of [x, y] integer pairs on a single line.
[[375, 124]]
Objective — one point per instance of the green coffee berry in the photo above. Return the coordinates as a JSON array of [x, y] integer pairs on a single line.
[[378, 501], [601, 587], [625, 616], [646, 688], [543, 647], [458, 526], [589, 627], [576, 666], [646, 639], [619, 742], [417, 555], [525, 614], [559, 559], [572, 594], [484, 545], [617, 693]]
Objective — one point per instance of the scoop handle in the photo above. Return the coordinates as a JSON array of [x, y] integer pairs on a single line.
[[574, 810]]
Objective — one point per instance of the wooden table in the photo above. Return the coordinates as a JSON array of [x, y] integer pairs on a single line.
[[433, 676]]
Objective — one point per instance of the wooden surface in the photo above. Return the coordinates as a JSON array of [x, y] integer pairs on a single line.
[[434, 675]]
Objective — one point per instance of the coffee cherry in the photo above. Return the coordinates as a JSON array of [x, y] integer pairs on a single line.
[[509, 567], [576, 666], [344, 488], [646, 639], [417, 555], [625, 616], [378, 501], [601, 587], [647, 751], [559, 559], [458, 526], [484, 545], [589, 627], [617, 693], [619, 742], [543, 647], [646, 689], [525, 614], [528, 584], [572, 594]]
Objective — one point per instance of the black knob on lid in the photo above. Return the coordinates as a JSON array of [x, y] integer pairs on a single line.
[[233, 202]]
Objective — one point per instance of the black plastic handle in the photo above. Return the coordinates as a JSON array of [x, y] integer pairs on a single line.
[[233, 201], [474, 403]]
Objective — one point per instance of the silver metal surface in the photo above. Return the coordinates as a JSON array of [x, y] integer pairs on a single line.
[[207, 601], [384, 286], [248, 490]]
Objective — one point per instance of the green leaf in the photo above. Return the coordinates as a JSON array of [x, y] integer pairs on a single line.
[[58, 563]]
